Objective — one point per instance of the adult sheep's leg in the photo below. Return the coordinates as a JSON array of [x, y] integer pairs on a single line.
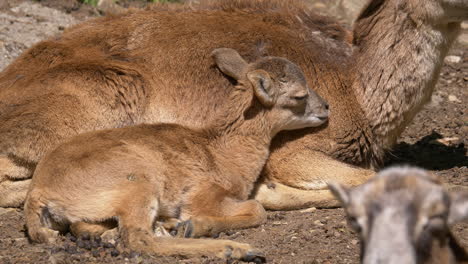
[[300, 180], [30, 129]]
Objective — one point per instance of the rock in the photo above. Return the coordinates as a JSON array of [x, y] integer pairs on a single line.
[[448, 141], [318, 223], [351, 9], [452, 59], [453, 98], [344, 10], [6, 210], [27, 24], [109, 7], [463, 39], [354, 241], [464, 25], [308, 210], [279, 223]]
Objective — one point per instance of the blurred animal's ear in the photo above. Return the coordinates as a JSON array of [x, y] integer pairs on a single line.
[[230, 62], [340, 192], [458, 207], [262, 85]]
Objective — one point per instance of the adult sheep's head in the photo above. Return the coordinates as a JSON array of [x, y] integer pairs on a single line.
[[403, 215]]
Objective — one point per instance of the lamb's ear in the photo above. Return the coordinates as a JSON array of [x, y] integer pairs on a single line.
[[230, 62], [458, 207], [340, 192], [262, 85]]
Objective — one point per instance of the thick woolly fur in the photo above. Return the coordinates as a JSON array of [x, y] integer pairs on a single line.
[[140, 174], [154, 66], [404, 215]]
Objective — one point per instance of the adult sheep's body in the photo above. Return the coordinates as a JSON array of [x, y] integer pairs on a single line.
[[154, 66]]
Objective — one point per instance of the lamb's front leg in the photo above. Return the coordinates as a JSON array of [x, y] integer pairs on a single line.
[[212, 210], [300, 181]]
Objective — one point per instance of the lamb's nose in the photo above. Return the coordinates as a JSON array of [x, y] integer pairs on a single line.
[[326, 106]]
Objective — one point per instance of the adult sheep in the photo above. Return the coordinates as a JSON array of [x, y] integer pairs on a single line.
[[154, 66]]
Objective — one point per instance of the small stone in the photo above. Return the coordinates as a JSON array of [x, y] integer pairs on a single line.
[[108, 245], [452, 59], [464, 25], [463, 39], [6, 210], [80, 243], [448, 141], [308, 210], [98, 240], [318, 223], [115, 253], [354, 241], [87, 245], [453, 98], [134, 254], [279, 223]]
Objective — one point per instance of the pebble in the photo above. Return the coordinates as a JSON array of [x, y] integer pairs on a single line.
[[308, 210], [452, 59], [318, 223], [464, 25], [115, 253], [279, 223], [354, 241], [447, 141], [6, 210], [453, 98]]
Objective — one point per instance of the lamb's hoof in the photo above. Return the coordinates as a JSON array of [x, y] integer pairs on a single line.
[[255, 257], [183, 229], [46, 235], [247, 255], [160, 231], [110, 236]]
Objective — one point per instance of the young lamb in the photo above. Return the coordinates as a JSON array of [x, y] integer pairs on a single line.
[[403, 215], [164, 171]]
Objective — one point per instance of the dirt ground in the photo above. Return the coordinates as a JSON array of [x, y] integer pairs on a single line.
[[436, 140]]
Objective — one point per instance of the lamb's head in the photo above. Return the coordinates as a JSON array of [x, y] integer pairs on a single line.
[[280, 87], [403, 216]]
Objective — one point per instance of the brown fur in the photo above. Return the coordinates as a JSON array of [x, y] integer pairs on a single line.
[[139, 174], [403, 215], [152, 66]]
